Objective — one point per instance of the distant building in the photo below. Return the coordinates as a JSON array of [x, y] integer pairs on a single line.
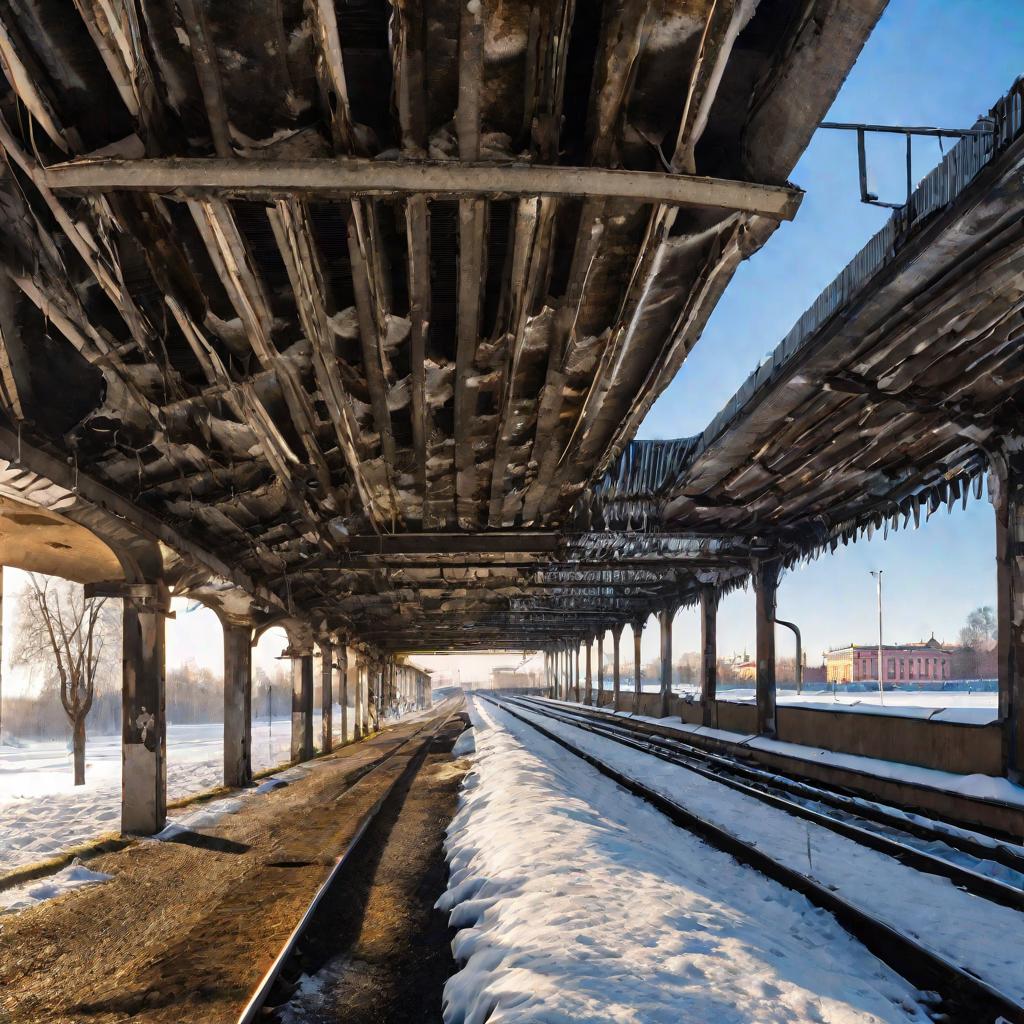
[[740, 666], [508, 678], [815, 674], [928, 660]]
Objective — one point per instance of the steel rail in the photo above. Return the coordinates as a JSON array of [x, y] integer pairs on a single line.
[[861, 807], [967, 999], [972, 881], [253, 1009]]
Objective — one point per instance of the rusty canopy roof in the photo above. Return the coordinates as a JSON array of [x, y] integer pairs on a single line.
[[352, 301]]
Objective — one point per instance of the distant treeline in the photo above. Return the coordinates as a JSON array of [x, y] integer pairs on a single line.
[[194, 694]]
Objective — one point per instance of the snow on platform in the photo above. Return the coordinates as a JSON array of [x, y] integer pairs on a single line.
[[42, 812], [576, 901], [75, 876], [980, 936]]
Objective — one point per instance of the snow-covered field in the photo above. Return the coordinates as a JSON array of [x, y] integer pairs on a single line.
[[43, 813], [576, 901]]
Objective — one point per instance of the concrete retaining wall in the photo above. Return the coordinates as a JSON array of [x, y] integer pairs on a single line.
[[948, 746]]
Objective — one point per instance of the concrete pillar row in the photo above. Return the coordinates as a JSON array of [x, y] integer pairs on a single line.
[[237, 704], [766, 582], [709, 597]]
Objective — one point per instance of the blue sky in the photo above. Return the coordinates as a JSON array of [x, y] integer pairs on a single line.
[[928, 62]]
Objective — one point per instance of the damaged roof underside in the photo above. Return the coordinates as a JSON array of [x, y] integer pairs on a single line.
[[383, 408], [887, 398]]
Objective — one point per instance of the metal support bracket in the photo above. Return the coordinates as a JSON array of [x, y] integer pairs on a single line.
[[154, 598], [908, 132]]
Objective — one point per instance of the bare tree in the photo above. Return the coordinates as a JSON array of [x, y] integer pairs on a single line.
[[980, 626], [62, 631]]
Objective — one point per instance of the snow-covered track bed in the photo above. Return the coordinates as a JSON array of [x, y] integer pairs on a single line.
[[988, 866], [938, 937]]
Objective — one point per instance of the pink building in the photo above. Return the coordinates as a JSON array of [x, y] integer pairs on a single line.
[[900, 663]]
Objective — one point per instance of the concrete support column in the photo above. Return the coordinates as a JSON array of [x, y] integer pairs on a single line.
[[638, 631], [374, 684], [766, 581], [665, 619], [709, 597], [326, 696], [359, 700], [302, 704], [616, 688], [369, 696], [576, 668], [144, 728], [590, 674], [600, 667], [341, 665], [1006, 487], [237, 704]]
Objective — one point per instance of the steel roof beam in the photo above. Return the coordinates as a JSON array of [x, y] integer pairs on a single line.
[[355, 176]]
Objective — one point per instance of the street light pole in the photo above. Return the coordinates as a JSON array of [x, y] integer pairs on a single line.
[[878, 577]]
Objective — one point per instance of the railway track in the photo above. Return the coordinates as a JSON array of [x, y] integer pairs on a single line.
[[962, 996], [885, 829], [268, 992]]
